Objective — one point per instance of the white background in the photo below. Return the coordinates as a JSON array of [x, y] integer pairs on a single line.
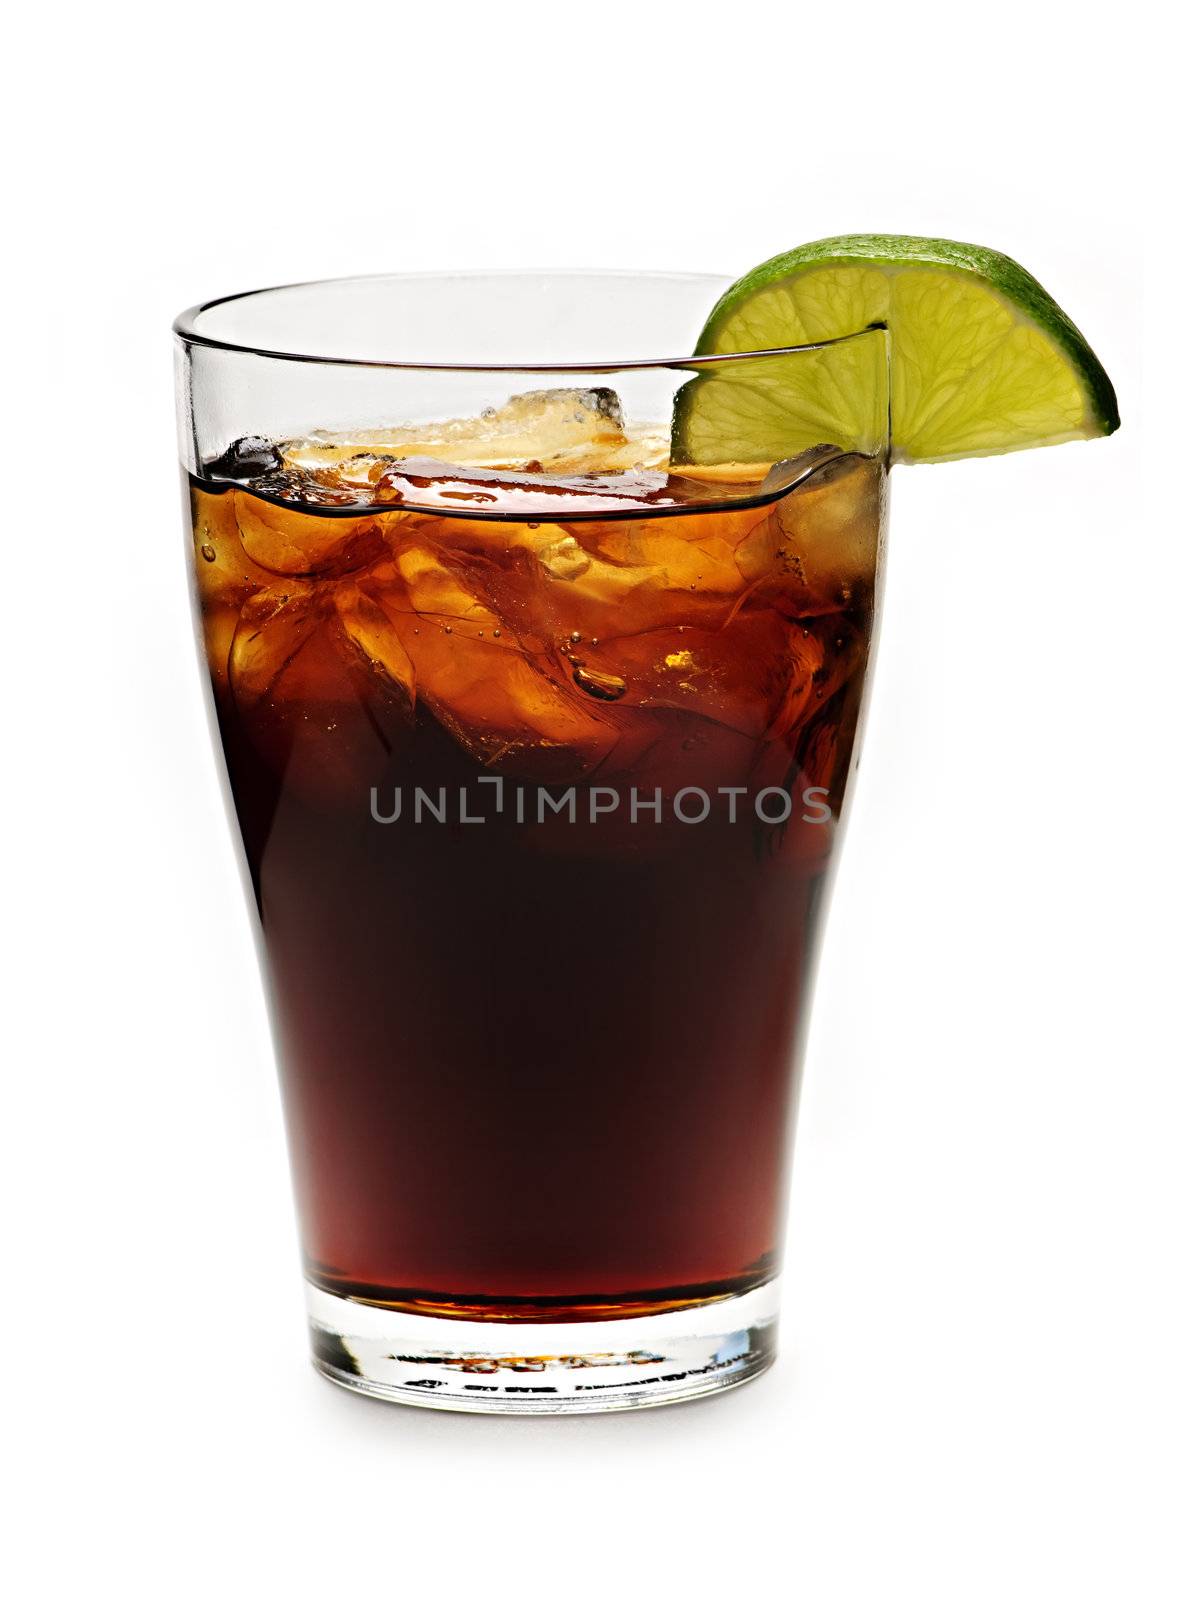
[[984, 1387]]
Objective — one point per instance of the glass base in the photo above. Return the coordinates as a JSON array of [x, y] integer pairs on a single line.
[[543, 1368]]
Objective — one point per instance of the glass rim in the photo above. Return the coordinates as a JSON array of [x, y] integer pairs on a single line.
[[185, 329]]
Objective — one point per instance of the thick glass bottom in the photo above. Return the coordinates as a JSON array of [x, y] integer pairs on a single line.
[[543, 1368]]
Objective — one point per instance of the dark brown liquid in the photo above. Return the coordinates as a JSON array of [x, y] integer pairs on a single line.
[[538, 1067]]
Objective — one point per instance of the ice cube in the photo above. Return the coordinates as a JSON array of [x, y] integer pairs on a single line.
[[222, 572], [835, 519], [551, 430], [224, 577], [315, 472], [690, 561], [500, 697], [274, 626], [250, 457], [305, 667], [821, 540], [291, 542], [738, 675], [603, 580], [560, 556], [318, 490], [371, 631]]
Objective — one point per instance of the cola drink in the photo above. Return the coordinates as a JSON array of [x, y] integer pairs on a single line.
[[539, 751]]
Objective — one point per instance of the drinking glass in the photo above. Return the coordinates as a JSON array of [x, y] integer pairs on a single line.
[[538, 653]]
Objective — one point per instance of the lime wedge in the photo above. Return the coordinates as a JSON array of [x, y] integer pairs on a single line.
[[983, 360]]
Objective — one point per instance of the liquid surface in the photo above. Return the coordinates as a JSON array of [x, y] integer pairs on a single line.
[[538, 808]]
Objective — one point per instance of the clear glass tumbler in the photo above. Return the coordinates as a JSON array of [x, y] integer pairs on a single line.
[[538, 652]]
